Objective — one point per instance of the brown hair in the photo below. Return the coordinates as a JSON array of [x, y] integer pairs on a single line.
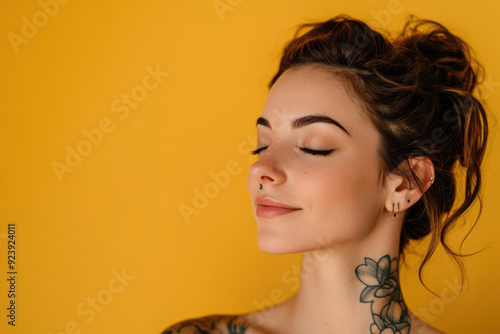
[[418, 91]]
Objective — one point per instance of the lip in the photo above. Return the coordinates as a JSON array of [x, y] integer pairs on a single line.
[[268, 207]]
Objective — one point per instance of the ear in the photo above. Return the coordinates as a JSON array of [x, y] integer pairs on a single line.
[[403, 191]]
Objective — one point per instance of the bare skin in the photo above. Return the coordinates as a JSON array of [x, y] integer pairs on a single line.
[[240, 324], [318, 189]]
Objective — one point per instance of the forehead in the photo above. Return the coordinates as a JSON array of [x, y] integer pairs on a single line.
[[312, 89]]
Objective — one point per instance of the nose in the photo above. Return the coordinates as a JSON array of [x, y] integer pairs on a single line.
[[267, 171]]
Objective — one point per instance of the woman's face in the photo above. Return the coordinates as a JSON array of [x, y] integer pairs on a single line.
[[318, 165]]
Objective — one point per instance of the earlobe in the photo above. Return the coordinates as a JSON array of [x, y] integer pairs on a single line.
[[404, 190]]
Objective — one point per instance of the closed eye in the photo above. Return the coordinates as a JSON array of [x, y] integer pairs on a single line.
[[316, 152], [257, 151], [304, 149]]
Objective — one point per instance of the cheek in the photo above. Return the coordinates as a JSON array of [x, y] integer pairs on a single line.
[[343, 199]]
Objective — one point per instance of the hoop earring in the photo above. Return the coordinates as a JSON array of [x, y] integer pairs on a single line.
[[395, 213]]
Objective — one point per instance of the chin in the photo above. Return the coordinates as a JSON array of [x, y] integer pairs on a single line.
[[269, 244], [276, 244]]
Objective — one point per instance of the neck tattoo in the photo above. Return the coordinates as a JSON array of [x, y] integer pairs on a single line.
[[389, 311]]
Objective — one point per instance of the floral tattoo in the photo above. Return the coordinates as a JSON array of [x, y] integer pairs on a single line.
[[389, 311]]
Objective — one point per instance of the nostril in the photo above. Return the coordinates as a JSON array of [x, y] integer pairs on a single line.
[[266, 178]]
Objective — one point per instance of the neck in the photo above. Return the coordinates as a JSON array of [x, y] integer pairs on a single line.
[[350, 289]]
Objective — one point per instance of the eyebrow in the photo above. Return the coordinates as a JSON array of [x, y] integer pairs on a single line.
[[306, 120]]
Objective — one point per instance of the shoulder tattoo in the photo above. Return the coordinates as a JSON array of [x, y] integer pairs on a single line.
[[209, 325]]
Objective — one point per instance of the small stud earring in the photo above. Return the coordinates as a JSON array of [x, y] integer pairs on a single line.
[[408, 201], [432, 179], [260, 187]]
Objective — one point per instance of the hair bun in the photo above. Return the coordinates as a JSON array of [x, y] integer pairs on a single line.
[[445, 57]]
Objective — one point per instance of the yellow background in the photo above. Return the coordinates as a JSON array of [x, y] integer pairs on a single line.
[[118, 209]]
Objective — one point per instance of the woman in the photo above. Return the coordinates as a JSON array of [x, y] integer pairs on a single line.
[[358, 144]]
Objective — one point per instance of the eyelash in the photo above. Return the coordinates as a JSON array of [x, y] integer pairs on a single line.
[[304, 149]]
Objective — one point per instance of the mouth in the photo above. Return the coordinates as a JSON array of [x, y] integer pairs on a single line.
[[268, 208], [264, 211]]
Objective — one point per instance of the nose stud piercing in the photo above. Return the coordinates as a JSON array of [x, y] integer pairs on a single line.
[[260, 187], [395, 213]]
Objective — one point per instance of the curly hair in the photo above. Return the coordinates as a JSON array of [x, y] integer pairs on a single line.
[[417, 89]]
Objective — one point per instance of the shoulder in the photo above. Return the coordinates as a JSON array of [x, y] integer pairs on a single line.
[[210, 324]]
